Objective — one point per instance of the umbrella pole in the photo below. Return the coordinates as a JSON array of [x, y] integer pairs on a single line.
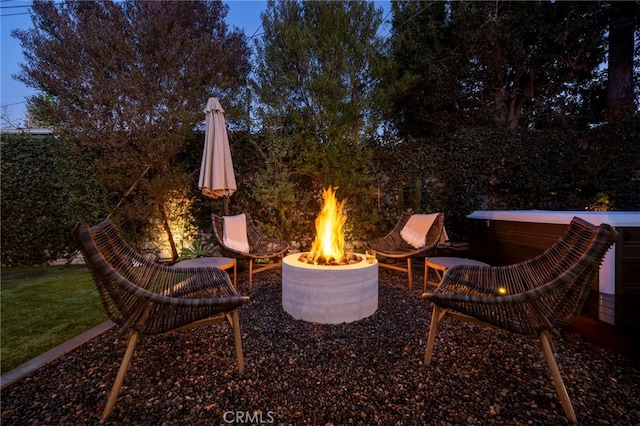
[[225, 201]]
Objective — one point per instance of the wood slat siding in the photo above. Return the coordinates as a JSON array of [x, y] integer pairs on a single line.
[[499, 242], [628, 262], [627, 299]]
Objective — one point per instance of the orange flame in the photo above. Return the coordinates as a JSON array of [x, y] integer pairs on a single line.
[[329, 242]]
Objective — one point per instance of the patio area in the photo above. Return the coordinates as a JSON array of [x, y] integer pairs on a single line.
[[367, 372]]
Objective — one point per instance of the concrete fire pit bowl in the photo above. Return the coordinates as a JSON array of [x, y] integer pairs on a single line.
[[329, 294]]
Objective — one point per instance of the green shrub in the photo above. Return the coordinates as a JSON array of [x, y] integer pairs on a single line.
[[199, 248], [46, 190]]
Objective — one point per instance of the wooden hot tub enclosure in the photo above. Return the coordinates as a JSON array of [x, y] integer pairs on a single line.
[[501, 237]]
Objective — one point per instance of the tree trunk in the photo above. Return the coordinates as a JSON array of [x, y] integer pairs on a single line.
[[620, 90], [167, 229]]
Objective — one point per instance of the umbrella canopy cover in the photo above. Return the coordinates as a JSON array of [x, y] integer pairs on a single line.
[[217, 178]]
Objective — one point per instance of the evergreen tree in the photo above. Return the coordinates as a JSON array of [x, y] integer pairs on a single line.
[[316, 73]]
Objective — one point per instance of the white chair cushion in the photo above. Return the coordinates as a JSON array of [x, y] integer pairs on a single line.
[[416, 228], [235, 232]]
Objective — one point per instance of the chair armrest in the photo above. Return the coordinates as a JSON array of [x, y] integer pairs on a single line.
[[202, 282], [212, 284], [469, 280], [486, 285]]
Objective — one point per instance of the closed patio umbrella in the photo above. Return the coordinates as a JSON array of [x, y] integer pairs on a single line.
[[217, 178]]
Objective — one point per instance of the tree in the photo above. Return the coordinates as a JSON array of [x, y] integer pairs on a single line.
[[420, 84], [126, 82], [510, 64], [493, 104], [535, 55], [623, 16], [316, 72]]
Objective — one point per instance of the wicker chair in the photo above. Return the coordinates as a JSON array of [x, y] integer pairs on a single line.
[[531, 298], [395, 249], [261, 247], [147, 298]]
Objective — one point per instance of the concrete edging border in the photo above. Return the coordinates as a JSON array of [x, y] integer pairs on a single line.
[[29, 367]]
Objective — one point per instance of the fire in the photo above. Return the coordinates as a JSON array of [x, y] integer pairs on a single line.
[[329, 242]]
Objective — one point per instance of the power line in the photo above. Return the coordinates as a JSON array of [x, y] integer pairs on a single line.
[[15, 103], [14, 14], [414, 15], [27, 6], [15, 6], [256, 31]]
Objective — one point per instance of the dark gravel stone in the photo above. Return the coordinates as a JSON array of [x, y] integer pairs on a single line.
[[369, 372]]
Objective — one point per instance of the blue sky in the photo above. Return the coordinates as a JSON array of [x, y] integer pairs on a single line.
[[244, 14]]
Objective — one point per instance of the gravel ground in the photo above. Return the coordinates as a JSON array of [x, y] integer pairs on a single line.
[[369, 372]]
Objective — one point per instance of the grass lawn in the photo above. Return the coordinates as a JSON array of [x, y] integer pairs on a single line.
[[42, 307]]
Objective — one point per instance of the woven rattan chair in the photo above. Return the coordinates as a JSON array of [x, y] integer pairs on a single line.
[[398, 253], [261, 247], [147, 298], [532, 298]]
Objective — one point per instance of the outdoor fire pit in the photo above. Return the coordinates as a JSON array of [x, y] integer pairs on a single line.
[[329, 294], [326, 285]]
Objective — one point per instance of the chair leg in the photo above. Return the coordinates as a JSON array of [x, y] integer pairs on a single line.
[[426, 274], [547, 349], [250, 274], [124, 365], [409, 269], [237, 339], [235, 274], [431, 339]]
